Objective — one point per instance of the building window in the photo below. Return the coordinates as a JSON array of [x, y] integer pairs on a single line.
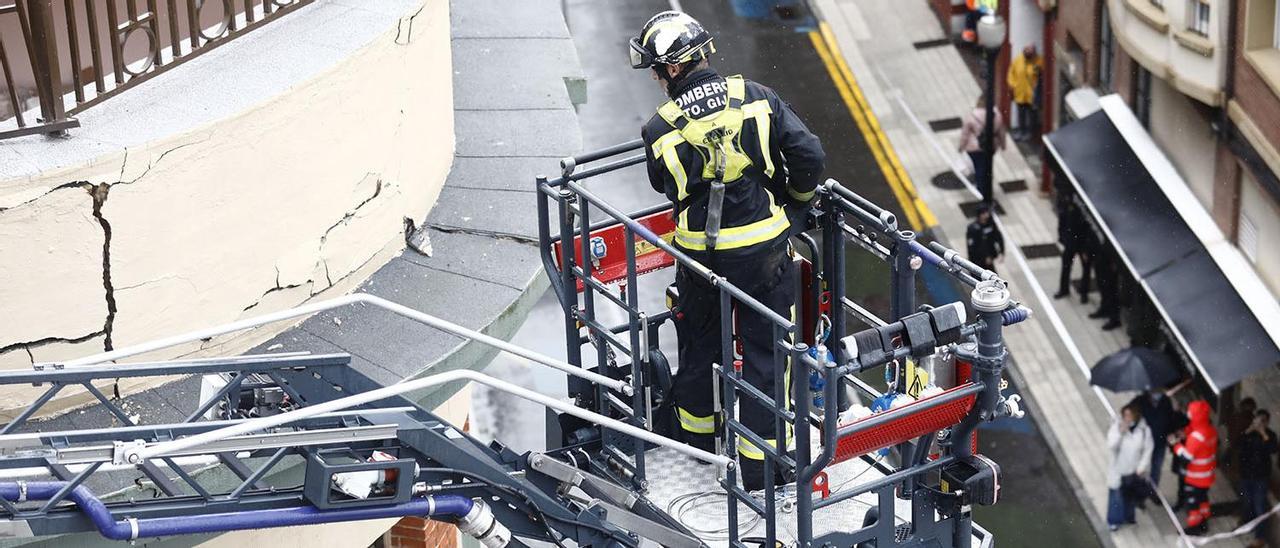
[[1248, 238], [1198, 17], [1275, 28], [1142, 95], [1106, 51]]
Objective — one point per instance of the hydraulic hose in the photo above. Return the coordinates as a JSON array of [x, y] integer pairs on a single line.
[[473, 517]]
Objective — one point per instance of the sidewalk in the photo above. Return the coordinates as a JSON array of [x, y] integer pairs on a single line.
[[914, 79]]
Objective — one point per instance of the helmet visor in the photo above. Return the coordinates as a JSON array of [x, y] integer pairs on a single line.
[[639, 57]]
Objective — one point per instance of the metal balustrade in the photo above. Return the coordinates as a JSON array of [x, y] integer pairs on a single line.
[[73, 54]]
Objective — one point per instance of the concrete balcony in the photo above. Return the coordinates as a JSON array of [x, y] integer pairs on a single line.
[[277, 167], [1165, 41]]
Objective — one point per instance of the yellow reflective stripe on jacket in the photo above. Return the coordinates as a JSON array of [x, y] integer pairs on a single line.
[[801, 196], [760, 111], [736, 87], [761, 231], [665, 148], [695, 424]]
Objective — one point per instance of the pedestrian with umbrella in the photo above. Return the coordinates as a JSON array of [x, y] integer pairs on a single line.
[[1156, 407], [1135, 369], [1140, 369]]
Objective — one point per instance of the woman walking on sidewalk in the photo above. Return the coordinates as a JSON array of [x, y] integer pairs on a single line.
[[1130, 443], [971, 143]]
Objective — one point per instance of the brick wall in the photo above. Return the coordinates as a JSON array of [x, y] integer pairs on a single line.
[[1122, 75], [942, 9], [1226, 191], [1251, 92], [1079, 20], [421, 533]]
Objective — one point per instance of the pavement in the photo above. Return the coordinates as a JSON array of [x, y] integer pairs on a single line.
[[916, 82], [478, 265], [779, 52]]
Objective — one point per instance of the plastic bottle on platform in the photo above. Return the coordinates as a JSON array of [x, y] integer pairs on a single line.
[[817, 384]]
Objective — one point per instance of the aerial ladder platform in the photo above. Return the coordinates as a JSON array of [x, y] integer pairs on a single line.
[[894, 467]]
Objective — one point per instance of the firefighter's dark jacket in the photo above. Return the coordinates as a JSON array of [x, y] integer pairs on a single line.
[[789, 175]]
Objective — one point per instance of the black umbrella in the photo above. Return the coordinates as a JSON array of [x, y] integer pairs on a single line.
[[1134, 369]]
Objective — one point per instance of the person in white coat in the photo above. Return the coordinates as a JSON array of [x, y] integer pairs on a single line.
[[1130, 443]]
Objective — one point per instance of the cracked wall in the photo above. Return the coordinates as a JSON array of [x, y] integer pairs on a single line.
[[304, 194]]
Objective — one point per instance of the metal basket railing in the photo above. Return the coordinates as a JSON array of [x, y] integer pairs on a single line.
[[566, 210]]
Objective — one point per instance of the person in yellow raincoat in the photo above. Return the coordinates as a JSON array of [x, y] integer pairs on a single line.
[[1023, 79]]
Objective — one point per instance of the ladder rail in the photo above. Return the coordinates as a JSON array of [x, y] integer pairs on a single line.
[[142, 454], [339, 302]]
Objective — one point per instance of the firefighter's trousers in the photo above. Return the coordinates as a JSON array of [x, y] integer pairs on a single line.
[[769, 277]]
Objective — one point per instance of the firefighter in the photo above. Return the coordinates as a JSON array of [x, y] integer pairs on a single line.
[[733, 159], [1196, 453]]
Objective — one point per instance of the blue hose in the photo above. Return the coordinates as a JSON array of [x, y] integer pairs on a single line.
[[452, 506], [928, 255], [1015, 315]]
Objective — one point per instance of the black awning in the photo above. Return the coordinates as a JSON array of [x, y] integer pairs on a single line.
[[1199, 304]]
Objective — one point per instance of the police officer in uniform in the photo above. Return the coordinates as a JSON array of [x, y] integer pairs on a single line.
[[983, 239], [731, 156]]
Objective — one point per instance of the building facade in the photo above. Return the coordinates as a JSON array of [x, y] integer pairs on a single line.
[[1203, 76], [1250, 183]]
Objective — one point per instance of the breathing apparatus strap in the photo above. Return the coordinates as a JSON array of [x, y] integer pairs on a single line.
[[715, 200]]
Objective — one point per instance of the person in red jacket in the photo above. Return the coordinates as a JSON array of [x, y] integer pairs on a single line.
[[1196, 452]]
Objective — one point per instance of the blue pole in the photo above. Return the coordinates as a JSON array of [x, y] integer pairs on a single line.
[[452, 506]]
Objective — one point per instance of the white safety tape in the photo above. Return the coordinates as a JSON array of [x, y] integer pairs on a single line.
[[1238, 531], [1183, 538], [1192, 540]]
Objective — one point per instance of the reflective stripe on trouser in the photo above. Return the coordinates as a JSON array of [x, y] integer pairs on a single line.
[[759, 232], [770, 277], [1198, 509], [695, 424]]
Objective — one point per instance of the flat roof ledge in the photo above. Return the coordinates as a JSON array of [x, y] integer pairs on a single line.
[[248, 72]]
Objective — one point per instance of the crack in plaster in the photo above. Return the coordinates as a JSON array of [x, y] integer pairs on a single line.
[[408, 33], [158, 280], [377, 189], [99, 194], [64, 186], [275, 289], [328, 278], [26, 345], [123, 163], [527, 240], [151, 165]]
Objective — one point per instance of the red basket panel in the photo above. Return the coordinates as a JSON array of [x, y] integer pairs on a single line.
[[905, 428], [613, 265]]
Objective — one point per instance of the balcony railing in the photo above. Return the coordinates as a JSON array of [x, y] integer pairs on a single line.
[[69, 55]]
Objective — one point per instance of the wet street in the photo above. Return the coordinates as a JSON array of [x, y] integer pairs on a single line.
[[778, 52]]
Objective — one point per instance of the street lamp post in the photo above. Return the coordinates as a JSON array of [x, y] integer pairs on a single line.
[[991, 36]]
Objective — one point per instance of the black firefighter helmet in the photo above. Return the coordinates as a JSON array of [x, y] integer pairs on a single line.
[[670, 38]]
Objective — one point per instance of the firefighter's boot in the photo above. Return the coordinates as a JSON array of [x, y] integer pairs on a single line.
[[752, 472]]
